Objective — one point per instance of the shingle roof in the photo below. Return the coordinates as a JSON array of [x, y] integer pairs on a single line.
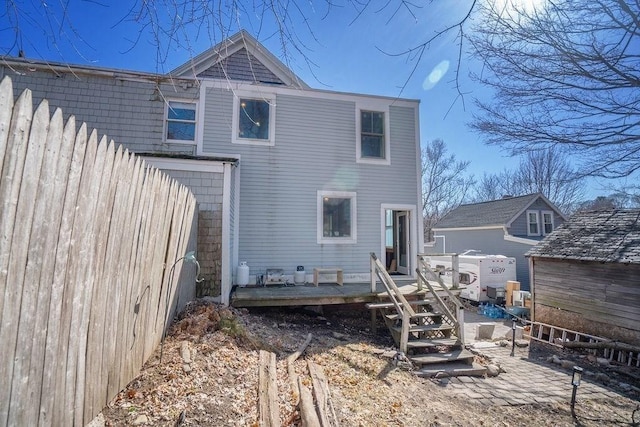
[[496, 212], [605, 236]]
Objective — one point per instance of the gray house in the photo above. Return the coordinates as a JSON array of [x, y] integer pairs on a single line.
[[509, 226], [285, 175], [586, 275]]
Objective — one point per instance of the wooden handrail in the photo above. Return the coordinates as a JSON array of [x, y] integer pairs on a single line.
[[390, 286], [424, 266], [438, 298]]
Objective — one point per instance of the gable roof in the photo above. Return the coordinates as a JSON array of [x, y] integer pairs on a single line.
[[240, 57], [498, 213], [605, 236]]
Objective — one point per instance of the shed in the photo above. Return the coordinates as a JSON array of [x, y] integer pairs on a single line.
[[585, 276]]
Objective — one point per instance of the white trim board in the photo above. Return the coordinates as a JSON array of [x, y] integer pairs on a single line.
[[510, 238], [414, 239], [483, 227], [167, 163]]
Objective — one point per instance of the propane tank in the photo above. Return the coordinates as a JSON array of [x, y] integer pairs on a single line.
[[299, 275], [242, 274]]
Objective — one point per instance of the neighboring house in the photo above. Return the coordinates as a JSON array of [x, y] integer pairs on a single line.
[[586, 275], [285, 175], [509, 226]]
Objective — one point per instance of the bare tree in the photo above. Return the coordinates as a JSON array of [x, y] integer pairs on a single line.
[[548, 172], [170, 25], [444, 184], [493, 186], [568, 75]]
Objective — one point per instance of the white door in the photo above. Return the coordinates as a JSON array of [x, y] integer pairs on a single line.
[[402, 242]]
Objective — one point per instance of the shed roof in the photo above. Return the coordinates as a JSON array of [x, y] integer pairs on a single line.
[[499, 212], [605, 236]]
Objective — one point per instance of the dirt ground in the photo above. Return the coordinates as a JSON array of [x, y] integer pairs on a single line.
[[219, 386]]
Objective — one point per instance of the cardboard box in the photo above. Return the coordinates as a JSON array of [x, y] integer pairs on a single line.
[[512, 285]]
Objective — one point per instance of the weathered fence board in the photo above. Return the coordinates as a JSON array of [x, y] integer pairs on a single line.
[[22, 269], [49, 209], [88, 235], [9, 196]]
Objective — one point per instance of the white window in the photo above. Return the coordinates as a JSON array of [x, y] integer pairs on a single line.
[[372, 140], [336, 217], [547, 222], [180, 122], [254, 119], [533, 223]]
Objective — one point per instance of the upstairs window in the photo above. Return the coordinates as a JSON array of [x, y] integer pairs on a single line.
[[533, 223], [372, 134], [372, 139], [253, 120], [336, 217], [180, 122], [547, 222]]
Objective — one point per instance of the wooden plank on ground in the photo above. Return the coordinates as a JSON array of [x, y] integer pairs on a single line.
[[268, 391], [324, 405]]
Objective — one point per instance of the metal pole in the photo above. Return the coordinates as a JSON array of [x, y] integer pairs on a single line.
[[513, 337], [573, 401]]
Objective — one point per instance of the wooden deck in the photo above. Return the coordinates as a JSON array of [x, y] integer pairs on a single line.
[[325, 294]]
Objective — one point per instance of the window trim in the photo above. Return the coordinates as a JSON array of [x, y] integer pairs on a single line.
[[378, 108], [537, 214], [553, 225], [259, 96], [166, 120], [321, 194]]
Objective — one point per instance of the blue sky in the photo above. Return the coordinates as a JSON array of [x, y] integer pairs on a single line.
[[350, 56]]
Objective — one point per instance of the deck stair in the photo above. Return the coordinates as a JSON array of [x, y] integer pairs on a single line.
[[427, 326]]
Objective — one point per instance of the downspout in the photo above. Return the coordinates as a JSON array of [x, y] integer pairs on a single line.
[[225, 270]]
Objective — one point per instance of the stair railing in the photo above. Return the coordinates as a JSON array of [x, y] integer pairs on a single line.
[[402, 306], [458, 318]]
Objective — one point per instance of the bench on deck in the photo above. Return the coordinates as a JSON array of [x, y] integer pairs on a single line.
[[317, 271]]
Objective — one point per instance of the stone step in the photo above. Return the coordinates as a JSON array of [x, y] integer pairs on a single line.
[[436, 342], [381, 305], [443, 370], [421, 315], [459, 355]]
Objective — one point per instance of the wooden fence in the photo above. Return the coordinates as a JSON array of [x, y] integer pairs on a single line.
[[88, 235]]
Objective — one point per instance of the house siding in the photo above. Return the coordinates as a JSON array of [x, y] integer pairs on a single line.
[[597, 298], [207, 187], [241, 66], [520, 225], [131, 112], [314, 150], [491, 242]]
